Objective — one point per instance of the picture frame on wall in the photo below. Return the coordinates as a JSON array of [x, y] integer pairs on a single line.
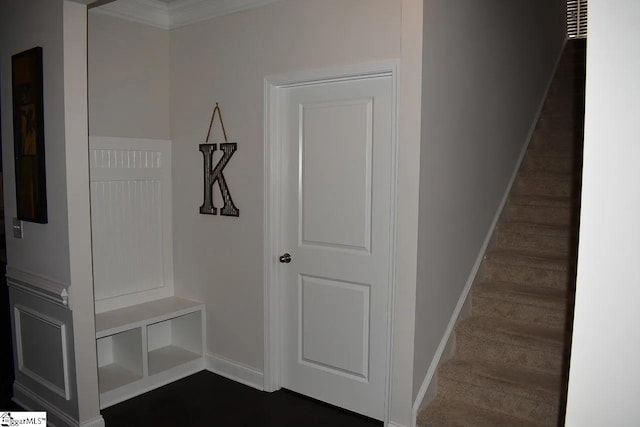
[[28, 135]]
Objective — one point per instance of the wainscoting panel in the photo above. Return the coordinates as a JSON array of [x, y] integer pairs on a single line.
[[36, 335], [44, 362], [130, 220]]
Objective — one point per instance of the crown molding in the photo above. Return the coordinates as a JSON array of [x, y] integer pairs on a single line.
[[176, 14]]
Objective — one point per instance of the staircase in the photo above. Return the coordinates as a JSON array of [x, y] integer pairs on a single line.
[[510, 364]]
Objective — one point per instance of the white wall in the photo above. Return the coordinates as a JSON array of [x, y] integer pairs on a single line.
[[604, 380], [57, 253], [128, 78], [44, 250], [486, 66], [219, 259]]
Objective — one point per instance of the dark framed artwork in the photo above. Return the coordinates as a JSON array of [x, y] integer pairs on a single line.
[[28, 136]]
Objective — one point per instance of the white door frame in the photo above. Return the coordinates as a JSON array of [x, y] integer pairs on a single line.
[[272, 198]]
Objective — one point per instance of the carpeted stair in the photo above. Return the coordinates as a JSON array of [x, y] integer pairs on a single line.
[[510, 363]]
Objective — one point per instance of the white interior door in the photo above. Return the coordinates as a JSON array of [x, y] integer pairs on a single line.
[[336, 226]]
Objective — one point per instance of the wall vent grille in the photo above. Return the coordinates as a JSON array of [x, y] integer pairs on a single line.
[[577, 19]]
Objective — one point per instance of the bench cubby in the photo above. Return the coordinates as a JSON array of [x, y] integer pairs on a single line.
[[148, 345]]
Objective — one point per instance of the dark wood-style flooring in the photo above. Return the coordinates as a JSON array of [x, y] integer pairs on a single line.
[[206, 399]]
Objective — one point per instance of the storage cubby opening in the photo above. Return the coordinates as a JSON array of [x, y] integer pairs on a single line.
[[119, 359], [173, 342]]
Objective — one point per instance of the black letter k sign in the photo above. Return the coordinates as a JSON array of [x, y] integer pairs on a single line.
[[211, 175]]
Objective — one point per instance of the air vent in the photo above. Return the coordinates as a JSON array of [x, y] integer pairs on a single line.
[[577, 19]]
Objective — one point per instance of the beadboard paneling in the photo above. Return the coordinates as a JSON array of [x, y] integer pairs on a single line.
[[130, 220]]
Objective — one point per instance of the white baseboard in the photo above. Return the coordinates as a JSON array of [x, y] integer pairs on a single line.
[[96, 422], [390, 424], [448, 334], [235, 371], [32, 402]]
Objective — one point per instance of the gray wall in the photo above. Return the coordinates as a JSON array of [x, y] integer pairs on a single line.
[[486, 66], [603, 380]]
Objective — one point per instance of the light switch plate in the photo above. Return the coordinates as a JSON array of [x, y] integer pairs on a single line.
[[17, 228]]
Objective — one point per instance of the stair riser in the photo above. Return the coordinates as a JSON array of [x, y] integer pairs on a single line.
[[529, 186], [519, 312], [544, 413], [556, 144], [567, 110], [473, 348], [533, 164], [539, 214], [497, 271], [564, 86], [548, 244], [558, 123]]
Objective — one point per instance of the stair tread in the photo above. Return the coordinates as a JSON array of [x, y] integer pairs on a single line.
[[513, 333], [557, 152], [551, 155], [454, 413], [523, 294], [547, 201], [532, 227], [547, 176], [524, 383], [529, 259], [553, 147]]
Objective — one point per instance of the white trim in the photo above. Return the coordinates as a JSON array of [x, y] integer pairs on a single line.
[[271, 217], [177, 14], [272, 338], [153, 13], [393, 239], [31, 401], [38, 285], [19, 309], [96, 422], [448, 334], [390, 424], [235, 371]]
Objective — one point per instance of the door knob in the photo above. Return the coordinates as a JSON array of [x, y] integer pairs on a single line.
[[285, 258]]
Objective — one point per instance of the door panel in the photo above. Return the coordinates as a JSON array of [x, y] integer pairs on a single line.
[[339, 219], [335, 223], [346, 327]]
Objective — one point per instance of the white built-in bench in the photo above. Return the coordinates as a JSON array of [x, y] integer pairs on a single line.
[[145, 346], [146, 335]]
